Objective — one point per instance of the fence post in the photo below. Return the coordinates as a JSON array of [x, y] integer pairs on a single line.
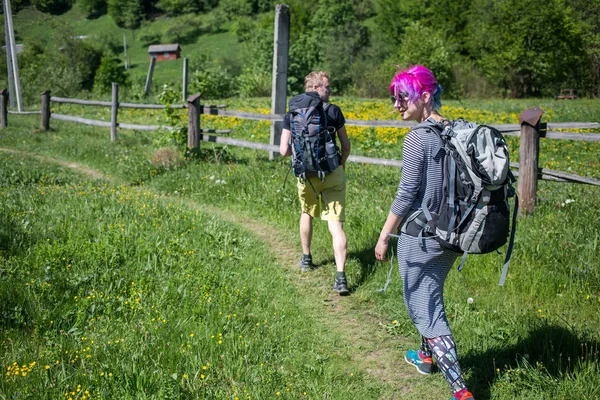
[[45, 111], [149, 77], [114, 112], [3, 108], [184, 84], [529, 150], [193, 138], [280, 69]]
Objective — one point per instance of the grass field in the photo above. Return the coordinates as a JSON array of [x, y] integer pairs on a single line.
[[126, 279]]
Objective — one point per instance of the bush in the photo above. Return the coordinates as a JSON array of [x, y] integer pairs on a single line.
[[108, 42], [93, 8], [212, 83], [148, 38], [236, 8], [109, 71], [254, 82], [183, 29], [53, 6], [213, 22], [179, 7]]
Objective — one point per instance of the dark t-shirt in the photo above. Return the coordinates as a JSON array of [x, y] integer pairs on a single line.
[[335, 117]]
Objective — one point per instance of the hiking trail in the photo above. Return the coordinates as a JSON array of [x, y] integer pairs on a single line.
[[371, 349]]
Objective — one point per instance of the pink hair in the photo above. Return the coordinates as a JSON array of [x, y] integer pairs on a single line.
[[414, 81]]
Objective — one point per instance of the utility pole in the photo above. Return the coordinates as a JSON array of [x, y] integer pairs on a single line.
[[11, 83], [125, 51], [13, 50]]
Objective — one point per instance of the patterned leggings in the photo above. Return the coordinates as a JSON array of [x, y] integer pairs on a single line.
[[443, 349]]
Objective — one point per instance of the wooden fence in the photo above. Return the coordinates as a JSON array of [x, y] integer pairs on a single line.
[[530, 130]]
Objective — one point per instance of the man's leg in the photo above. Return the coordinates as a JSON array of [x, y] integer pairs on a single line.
[[340, 243], [338, 237], [306, 232]]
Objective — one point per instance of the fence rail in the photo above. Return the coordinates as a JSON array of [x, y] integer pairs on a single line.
[[530, 130]]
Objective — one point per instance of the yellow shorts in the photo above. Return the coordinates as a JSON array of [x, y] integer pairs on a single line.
[[332, 193]]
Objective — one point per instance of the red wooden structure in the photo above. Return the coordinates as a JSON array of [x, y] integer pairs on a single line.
[[164, 52]]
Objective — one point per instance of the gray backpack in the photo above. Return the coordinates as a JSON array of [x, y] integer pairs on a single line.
[[474, 215]]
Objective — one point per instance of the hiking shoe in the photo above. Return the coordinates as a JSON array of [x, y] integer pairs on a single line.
[[424, 364], [462, 395], [306, 263], [341, 286]]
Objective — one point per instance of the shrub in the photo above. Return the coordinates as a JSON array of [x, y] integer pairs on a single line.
[[254, 82], [214, 20], [93, 8], [183, 29], [148, 38], [109, 71], [178, 7], [236, 8], [212, 82], [52, 6]]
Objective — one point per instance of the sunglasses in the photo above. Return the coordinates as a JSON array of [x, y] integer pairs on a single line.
[[402, 97]]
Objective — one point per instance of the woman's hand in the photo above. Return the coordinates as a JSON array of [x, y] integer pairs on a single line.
[[381, 248]]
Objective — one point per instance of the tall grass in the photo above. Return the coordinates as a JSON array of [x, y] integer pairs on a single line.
[[536, 338]]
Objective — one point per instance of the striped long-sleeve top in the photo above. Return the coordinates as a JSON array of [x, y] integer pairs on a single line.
[[422, 159]]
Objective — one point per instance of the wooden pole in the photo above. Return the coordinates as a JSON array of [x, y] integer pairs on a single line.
[[3, 108], [114, 112], [184, 84], [528, 159], [193, 138], [45, 118], [149, 77], [280, 70]]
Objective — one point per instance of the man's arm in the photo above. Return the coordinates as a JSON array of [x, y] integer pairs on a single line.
[[345, 143], [284, 144]]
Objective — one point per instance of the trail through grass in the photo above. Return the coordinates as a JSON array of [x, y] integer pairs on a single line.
[[536, 338]]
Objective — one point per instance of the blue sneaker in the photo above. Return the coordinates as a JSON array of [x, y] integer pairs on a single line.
[[423, 363]]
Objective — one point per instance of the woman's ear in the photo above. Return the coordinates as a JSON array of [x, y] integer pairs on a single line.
[[426, 97]]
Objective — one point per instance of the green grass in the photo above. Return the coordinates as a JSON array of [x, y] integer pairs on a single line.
[[112, 290], [536, 338]]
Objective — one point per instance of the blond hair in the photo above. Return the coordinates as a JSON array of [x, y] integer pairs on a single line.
[[315, 78]]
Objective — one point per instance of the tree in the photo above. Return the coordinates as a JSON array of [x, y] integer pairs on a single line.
[[126, 13], [427, 46], [339, 38], [536, 49]]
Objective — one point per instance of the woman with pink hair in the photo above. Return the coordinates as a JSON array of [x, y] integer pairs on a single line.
[[423, 264]]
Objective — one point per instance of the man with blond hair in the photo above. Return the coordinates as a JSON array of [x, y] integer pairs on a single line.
[[322, 192]]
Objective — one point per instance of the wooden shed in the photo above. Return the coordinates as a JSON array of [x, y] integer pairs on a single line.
[[163, 52]]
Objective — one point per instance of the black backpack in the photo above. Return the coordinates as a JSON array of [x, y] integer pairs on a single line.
[[314, 151]]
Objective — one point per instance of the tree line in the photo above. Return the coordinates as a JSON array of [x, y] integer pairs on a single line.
[[477, 48]]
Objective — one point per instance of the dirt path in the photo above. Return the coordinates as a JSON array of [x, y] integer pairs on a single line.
[[372, 349]]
